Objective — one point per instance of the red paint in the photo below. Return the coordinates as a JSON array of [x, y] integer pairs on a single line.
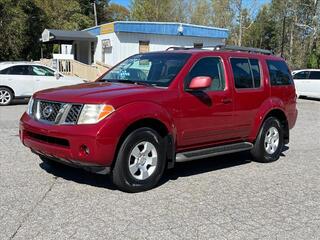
[[199, 83], [195, 120]]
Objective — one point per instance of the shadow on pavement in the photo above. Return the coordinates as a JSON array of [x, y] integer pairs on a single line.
[[181, 169]]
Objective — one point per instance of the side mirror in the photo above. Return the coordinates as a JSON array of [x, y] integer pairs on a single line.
[[57, 75], [200, 83]]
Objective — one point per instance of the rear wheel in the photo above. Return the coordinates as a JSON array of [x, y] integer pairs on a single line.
[[270, 142], [6, 96], [140, 162]]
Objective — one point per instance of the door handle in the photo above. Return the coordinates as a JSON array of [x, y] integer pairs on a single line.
[[226, 100]]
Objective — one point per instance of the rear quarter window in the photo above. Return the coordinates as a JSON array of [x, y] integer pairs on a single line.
[[279, 73]]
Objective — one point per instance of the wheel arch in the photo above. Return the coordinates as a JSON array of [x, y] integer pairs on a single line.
[[157, 126], [280, 115], [4, 86]]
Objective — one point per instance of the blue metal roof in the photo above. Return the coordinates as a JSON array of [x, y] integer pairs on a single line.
[[165, 28]]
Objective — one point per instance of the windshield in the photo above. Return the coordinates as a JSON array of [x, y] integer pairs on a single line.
[[157, 69]]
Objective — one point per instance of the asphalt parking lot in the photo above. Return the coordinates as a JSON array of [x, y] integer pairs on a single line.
[[227, 197]]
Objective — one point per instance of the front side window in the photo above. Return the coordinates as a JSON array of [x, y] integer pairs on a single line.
[[301, 75], [314, 75], [279, 73], [246, 73], [42, 71], [156, 69], [208, 67]]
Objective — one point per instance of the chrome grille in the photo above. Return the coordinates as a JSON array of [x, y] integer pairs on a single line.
[[73, 114], [56, 112], [49, 110]]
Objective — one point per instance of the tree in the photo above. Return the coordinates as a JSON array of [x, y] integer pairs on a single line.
[[117, 12], [12, 28], [201, 12], [222, 13], [152, 10]]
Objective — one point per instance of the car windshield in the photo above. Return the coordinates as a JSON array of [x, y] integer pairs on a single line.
[[157, 69]]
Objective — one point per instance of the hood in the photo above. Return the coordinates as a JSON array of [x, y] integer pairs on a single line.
[[116, 94]]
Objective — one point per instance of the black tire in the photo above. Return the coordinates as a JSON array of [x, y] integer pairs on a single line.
[[8, 93], [121, 175], [259, 151]]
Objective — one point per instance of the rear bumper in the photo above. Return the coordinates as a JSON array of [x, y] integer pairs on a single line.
[[76, 145]]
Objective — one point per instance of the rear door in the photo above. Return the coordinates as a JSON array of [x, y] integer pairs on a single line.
[[206, 116], [249, 94], [19, 78], [313, 86]]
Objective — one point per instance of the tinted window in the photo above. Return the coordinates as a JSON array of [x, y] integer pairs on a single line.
[[246, 73], [153, 68], [4, 71], [18, 70], [279, 73], [42, 71], [255, 68], [301, 75], [209, 67], [314, 75]]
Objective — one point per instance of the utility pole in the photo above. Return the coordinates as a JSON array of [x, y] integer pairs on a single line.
[[95, 13], [283, 34]]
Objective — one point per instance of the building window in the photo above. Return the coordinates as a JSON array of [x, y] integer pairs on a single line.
[[92, 51], [198, 45], [75, 52], [144, 46]]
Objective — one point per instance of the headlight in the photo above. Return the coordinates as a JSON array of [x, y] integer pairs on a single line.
[[93, 113], [30, 106]]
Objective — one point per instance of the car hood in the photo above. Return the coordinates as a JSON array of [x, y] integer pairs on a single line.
[[116, 94]]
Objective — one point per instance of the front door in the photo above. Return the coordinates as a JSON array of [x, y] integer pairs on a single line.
[[313, 85], [206, 116], [44, 77]]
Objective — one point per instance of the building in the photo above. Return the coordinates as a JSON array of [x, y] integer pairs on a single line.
[[110, 43]]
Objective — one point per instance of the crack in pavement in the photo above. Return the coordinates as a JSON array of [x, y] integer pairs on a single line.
[[34, 207]]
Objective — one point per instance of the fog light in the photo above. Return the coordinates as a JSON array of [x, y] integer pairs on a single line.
[[84, 150]]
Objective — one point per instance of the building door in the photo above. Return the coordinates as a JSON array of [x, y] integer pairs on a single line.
[[144, 46]]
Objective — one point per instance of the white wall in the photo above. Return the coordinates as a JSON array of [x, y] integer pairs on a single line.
[[127, 44]]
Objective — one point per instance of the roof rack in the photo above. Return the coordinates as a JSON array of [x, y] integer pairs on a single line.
[[178, 48], [226, 48], [243, 49]]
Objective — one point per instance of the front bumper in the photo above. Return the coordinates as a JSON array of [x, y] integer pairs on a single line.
[[82, 146]]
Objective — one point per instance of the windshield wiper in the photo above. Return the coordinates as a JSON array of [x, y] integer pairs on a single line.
[[132, 82]]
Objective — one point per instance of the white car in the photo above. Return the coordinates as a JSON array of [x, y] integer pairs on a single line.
[[307, 82], [22, 79]]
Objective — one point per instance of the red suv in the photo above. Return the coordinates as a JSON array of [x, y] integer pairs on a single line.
[[155, 109]]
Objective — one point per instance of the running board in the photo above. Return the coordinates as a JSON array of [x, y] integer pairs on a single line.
[[214, 151]]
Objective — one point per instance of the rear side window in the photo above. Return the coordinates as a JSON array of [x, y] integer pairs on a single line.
[[301, 75], [246, 73], [18, 70], [209, 67], [314, 75], [279, 73]]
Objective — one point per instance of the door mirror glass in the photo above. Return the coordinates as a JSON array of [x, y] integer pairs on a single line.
[[200, 83]]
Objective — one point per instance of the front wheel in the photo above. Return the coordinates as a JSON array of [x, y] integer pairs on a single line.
[[140, 162], [269, 143], [6, 96]]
